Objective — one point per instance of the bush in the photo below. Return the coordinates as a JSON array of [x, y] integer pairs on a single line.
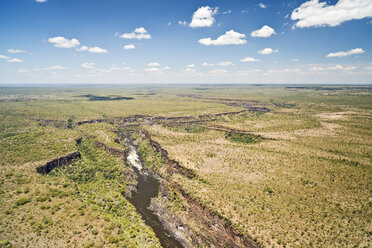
[[245, 138], [22, 201], [5, 243]]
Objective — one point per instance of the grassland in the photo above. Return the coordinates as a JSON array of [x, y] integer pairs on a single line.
[[303, 177]]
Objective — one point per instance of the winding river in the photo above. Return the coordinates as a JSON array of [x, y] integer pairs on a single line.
[[147, 188]]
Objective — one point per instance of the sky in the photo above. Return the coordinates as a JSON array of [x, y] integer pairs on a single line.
[[191, 41]]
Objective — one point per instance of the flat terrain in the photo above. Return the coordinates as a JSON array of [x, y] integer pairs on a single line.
[[284, 165]]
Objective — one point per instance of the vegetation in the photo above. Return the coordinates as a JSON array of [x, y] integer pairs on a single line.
[[305, 183], [245, 138]]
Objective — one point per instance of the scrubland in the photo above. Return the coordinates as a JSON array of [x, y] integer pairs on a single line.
[[301, 178]]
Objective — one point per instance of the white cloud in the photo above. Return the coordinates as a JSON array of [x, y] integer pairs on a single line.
[[41, 1], [15, 51], [169, 23], [153, 69], [183, 23], [88, 65], [295, 60], [22, 70], [190, 70], [315, 14], [262, 6], [249, 59], [217, 72], [51, 68], [15, 60], [264, 32], [340, 67], [206, 64], [292, 70], [62, 42], [4, 57], [347, 53], [317, 68], [116, 68], [157, 69], [224, 63], [332, 68], [153, 64], [190, 66], [203, 17], [267, 51], [97, 50], [91, 49], [227, 12], [229, 38], [129, 47], [138, 33]]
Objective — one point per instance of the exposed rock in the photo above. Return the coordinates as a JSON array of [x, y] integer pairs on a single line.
[[58, 162]]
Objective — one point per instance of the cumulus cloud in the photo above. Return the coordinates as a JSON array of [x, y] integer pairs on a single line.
[[183, 23], [51, 68], [22, 70], [190, 66], [41, 1], [347, 53], [217, 72], [157, 69], [318, 14], [264, 32], [114, 68], [92, 49], [267, 51], [332, 68], [153, 64], [15, 60], [340, 67], [129, 47], [15, 51], [316, 68], [262, 6], [229, 38], [206, 64], [88, 65], [62, 42], [11, 60], [138, 33], [203, 17], [224, 63], [249, 59], [4, 57], [190, 69]]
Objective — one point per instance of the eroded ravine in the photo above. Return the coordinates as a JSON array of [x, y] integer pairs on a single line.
[[147, 188]]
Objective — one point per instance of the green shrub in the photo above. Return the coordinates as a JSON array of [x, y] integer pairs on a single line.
[[5, 243], [245, 138], [22, 201]]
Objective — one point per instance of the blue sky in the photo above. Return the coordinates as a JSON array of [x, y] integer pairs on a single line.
[[193, 41]]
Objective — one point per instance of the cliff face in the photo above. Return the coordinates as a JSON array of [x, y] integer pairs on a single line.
[[58, 162]]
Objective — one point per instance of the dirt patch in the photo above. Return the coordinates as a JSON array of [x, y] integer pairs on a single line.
[[334, 116]]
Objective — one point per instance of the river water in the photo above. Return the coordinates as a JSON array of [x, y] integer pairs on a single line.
[[147, 188]]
